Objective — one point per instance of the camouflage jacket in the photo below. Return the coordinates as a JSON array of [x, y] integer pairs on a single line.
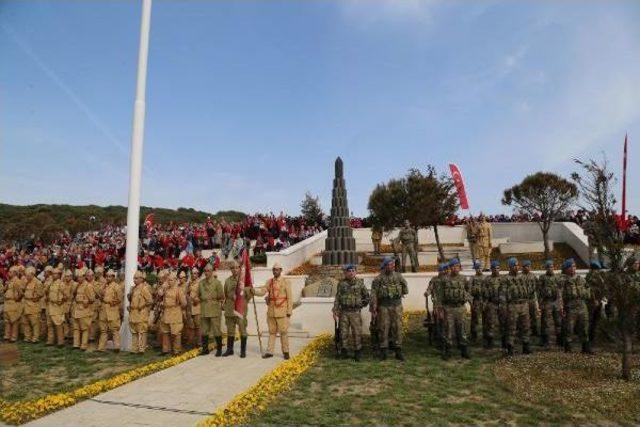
[[492, 289], [548, 288], [351, 295], [574, 289], [455, 290], [388, 289]]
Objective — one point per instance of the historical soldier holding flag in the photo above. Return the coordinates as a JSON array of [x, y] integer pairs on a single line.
[[238, 291]]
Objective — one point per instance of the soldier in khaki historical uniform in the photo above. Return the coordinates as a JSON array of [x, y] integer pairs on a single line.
[[387, 291], [376, 239], [13, 305], [173, 301], [517, 294], [187, 320], [57, 297], [409, 239], [454, 298], [550, 299], [211, 295], [158, 294], [194, 310], [231, 319], [83, 312], [279, 309], [33, 293], [575, 297], [98, 283], [485, 236], [140, 302], [109, 318], [351, 297], [70, 289], [48, 279], [531, 281]]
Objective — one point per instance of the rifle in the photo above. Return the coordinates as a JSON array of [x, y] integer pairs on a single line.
[[337, 338]]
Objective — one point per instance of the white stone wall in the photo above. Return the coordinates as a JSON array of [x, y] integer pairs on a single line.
[[297, 254]]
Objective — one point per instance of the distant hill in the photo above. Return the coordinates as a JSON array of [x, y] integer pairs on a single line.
[[45, 221]]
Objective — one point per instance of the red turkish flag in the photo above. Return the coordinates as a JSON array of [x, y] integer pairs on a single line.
[[459, 183], [244, 280]]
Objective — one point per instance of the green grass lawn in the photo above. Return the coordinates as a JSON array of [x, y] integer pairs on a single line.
[[29, 371], [547, 387]]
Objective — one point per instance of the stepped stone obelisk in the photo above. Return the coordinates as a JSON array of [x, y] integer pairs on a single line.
[[340, 246]]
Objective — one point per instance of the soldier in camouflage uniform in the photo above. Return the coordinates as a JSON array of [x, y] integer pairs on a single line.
[[517, 294], [550, 299], [409, 239], [531, 281], [351, 297], [596, 282], [454, 298], [434, 290], [387, 291], [475, 290], [575, 296], [493, 319]]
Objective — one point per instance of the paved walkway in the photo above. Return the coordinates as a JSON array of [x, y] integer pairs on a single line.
[[178, 396]]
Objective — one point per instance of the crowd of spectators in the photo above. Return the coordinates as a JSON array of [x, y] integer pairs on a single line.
[[175, 246]]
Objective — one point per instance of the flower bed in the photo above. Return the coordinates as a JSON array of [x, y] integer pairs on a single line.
[[21, 412]]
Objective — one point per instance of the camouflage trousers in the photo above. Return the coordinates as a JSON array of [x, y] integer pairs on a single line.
[[390, 325], [492, 325], [456, 325], [550, 322], [476, 315], [518, 320], [533, 318], [413, 258], [351, 329], [576, 319]]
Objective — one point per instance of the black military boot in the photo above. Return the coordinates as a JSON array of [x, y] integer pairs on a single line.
[[464, 352], [218, 346], [229, 351], [344, 354], [509, 350], [383, 354], [243, 347], [205, 345], [357, 355], [586, 348], [446, 354], [526, 349], [399, 355], [267, 356], [544, 341], [286, 356]]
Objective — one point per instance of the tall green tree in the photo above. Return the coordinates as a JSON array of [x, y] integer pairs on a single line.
[[311, 210], [545, 196], [424, 199]]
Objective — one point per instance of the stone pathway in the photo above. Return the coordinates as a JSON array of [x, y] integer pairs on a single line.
[[178, 396]]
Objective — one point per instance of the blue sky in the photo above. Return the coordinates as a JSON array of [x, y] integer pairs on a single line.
[[249, 102]]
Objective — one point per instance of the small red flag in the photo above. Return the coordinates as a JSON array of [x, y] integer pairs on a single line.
[[459, 183], [244, 279]]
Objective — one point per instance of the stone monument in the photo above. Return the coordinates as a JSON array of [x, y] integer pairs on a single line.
[[340, 246]]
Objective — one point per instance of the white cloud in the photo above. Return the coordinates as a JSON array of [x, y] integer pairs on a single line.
[[367, 13]]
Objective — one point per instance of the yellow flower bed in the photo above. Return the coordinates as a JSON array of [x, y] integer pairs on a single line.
[[21, 412], [281, 379]]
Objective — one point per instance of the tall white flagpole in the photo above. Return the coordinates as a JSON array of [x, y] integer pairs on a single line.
[[135, 171]]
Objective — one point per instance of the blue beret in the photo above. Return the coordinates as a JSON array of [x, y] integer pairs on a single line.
[[495, 264], [567, 263], [476, 265], [595, 264], [512, 262], [526, 263], [443, 266], [454, 261], [348, 267], [386, 261], [548, 263]]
